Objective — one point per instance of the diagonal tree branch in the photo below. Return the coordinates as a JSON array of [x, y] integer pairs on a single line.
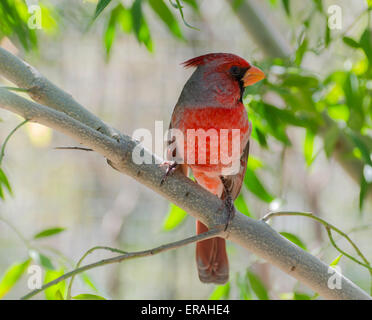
[[256, 236]]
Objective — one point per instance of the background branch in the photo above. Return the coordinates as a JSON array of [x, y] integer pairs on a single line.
[[126, 256], [255, 236]]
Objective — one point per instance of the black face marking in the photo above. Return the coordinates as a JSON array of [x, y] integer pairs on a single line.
[[238, 73], [241, 87]]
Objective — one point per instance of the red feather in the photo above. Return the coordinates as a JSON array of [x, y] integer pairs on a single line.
[[221, 57]]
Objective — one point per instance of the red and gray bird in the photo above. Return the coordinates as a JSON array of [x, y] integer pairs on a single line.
[[212, 99]]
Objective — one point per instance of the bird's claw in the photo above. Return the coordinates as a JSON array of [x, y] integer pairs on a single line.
[[171, 167]]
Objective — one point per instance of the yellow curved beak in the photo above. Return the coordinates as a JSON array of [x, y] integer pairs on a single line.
[[252, 76]]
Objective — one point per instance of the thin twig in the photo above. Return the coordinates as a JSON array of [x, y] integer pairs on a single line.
[[73, 148], [333, 242], [83, 257], [2, 152], [130, 255], [178, 6]]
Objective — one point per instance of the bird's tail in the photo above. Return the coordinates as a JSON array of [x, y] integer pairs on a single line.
[[211, 258]]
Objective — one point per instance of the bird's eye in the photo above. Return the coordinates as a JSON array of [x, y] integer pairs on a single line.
[[235, 71]]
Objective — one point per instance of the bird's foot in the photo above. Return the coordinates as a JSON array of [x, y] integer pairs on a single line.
[[229, 203], [171, 167]]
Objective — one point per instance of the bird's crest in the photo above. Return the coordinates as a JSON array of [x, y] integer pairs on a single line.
[[223, 57]]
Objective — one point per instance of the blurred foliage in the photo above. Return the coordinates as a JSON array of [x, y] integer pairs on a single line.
[[12, 275], [87, 296], [336, 107], [132, 20], [249, 285], [46, 257], [13, 23]]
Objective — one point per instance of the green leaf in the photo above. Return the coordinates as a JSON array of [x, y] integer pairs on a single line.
[[59, 295], [11, 276], [259, 135], [243, 285], [327, 36], [288, 117], [309, 147], [254, 185], [315, 296], [301, 50], [300, 81], [364, 186], [241, 206], [236, 4], [88, 296], [273, 3], [366, 44], [339, 112], [301, 296], [174, 218], [319, 5], [336, 261], [4, 181], [293, 238], [220, 292], [45, 262], [360, 144], [51, 293], [330, 139], [41, 259], [351, 42], [88, 281], [193, 4], [162, 10], [286, 6], [49, 232], [124, 18], [140, 27], [257, 286], [354, 100], [109, 33], [254, 163], [101, 5], [271, 121], [14, 22]]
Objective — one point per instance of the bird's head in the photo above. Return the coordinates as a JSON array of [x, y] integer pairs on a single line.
[[230, 65]]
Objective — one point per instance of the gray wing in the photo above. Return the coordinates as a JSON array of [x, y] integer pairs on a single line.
[[234, 183]]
